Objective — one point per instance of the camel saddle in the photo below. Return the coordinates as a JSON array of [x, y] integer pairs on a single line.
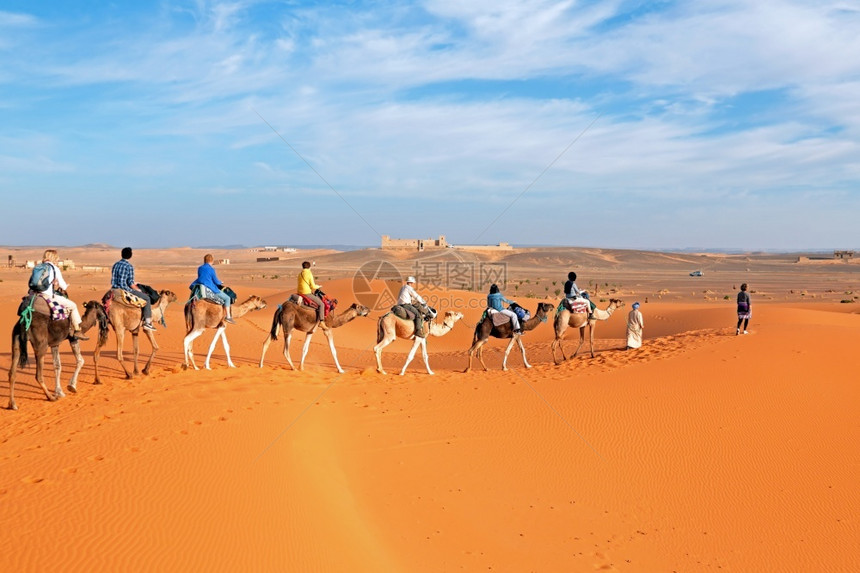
[[303, 300], [122, 297], [575, 305], [498, 318], [401, 311], [202, 292], [41, 304]]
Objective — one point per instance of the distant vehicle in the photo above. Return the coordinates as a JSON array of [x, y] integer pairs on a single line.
[[697, 274]]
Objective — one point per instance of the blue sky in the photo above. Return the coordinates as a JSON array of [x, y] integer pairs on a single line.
[[714, 123]]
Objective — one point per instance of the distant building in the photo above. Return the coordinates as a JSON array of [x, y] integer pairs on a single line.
[[269, 249], [222, 261], [499, 247], [414, 244], [843, 254]]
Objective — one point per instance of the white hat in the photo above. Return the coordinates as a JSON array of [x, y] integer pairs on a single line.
[[410, 279]]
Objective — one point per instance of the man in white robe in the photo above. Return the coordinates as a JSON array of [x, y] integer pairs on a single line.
[[635, 325]]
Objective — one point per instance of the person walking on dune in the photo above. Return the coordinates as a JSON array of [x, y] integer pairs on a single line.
[[744, 312], [635, 326]]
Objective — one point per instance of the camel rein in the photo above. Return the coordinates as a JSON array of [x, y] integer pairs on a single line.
[[27, 315]]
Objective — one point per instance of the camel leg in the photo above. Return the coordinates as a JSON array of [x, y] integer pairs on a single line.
[[151, 336], [96, 353], [411, 354], [58, 370], [219, 333], [13, 369], [328, 334], [424, 354], [266, 344], [79, 363], [135, 349], [40, 355], [227, 349], [508, 351], [377, 350], [475, 349], [523, 350], [305, 348], [188, 347], [287, 338], [560, 330], [120, 341], [557, 344], [581, 340], [481, 355], [591, 338]]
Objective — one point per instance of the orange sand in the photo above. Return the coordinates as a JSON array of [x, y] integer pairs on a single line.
[[703, 451]]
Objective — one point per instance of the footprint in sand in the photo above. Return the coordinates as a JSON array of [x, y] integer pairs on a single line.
[[31, 479], [70, 470], [96, 458]]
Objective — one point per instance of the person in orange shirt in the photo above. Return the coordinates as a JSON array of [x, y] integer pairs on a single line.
[[307, 286]]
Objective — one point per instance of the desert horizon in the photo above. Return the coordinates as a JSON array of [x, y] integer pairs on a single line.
[[702, 450]]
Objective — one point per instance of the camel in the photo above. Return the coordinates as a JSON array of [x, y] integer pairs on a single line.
[[291, 316], [391, 327], [124, 317], [564, 319], [45, 333], [202, 314], [485, 329]]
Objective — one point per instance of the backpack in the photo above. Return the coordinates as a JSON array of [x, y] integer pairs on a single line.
[[521, 313], [41, 278]]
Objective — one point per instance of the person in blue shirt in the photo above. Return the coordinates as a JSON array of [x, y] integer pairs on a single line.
[[122, 277], [495, 300], [207, 277]]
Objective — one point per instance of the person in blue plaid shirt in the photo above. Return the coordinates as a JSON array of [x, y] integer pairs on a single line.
[[122, 277]]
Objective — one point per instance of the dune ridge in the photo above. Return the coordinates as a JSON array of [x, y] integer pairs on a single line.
[[702, 450]]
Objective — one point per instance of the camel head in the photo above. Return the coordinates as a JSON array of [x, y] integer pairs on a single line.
[[360, 310], [545, 308], [617, 302], [169, 295], [451, 317], [97, 308], [257, 302]]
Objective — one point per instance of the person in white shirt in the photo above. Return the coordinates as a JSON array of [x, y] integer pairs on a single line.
[[52, 258], [410, 299]]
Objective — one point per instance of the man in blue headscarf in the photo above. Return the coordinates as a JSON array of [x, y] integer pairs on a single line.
[[635, 325]]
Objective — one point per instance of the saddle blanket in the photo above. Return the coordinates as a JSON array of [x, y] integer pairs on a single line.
[[127, 298], [499, 318], [578, 305], [201, 292], [303, 300], [401, 312], [44, 305]]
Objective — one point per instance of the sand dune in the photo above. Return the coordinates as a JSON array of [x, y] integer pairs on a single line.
[[701, 451]]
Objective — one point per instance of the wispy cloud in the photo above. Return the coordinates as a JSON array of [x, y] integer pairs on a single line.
[[447, 103]]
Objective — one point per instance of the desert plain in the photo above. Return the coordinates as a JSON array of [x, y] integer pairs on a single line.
[[701, 451]]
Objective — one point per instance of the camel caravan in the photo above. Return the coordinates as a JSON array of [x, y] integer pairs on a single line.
[[47, 318]]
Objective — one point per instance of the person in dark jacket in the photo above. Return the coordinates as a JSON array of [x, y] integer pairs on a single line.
[[744, 311]]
